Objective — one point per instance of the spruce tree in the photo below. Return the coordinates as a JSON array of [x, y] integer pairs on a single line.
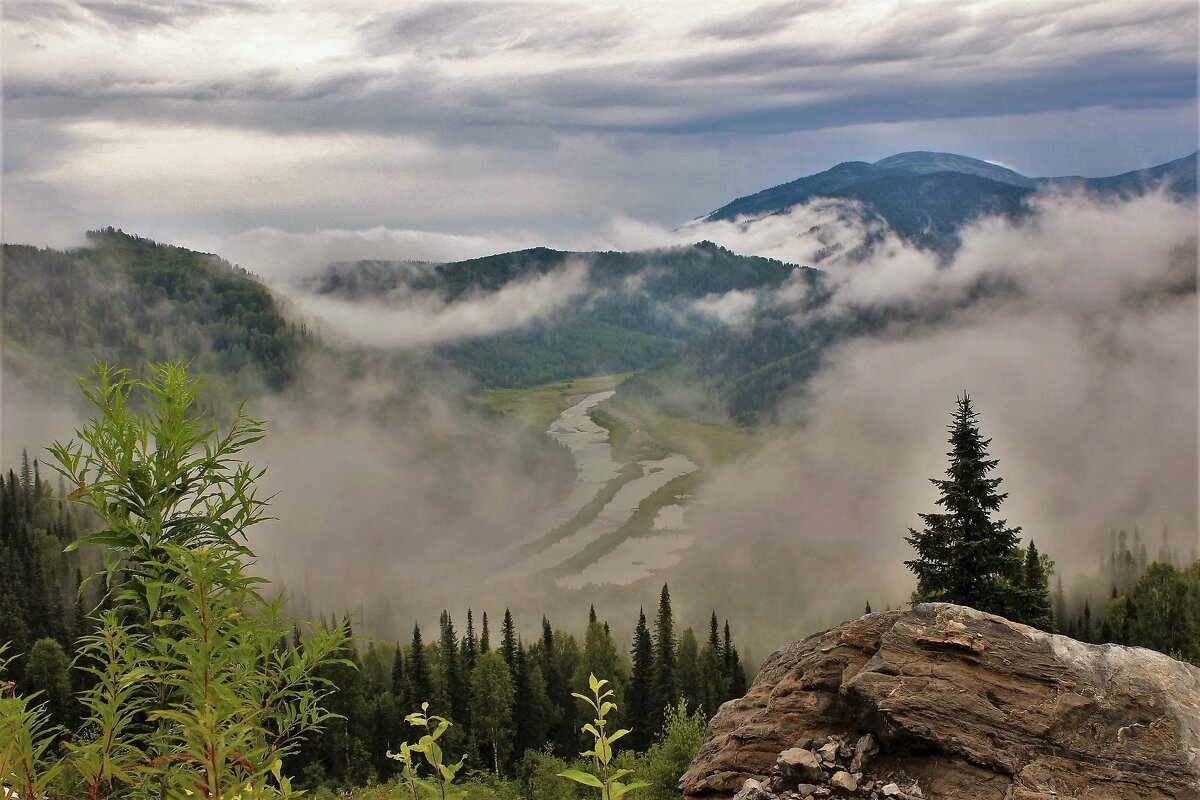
[[1033, 597], [454, 681], [665, 690], [963, 555], [508, 642], [485, 637], [713, 686], [470, 648], [420, 680], [641, 687], [735, 674], [561, 722]]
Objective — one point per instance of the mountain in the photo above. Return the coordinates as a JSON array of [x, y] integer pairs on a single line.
[[641, 308], [1178, 177], [128, 300], [927, 197]]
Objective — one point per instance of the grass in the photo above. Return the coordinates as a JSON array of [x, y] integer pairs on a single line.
[[706, 443], [629, 442], [541, 405]]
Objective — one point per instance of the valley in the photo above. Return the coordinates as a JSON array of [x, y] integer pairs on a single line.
[[624, 516]]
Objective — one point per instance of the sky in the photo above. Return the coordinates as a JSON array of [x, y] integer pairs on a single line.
[[439, 130]]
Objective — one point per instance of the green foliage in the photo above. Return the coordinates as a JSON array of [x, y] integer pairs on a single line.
[[47, 674], [492, 696], [667, 760], [194, 689], [442, 771], [125, 299], [1161, 612], [609, 780]]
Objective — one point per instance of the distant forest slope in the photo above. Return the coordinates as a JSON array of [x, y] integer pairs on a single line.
[[640, 311], [129, 300]]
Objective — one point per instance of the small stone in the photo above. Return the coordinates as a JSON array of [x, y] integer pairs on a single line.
[[797, 765], [752, 790], [891, 790], [807, 788], [844, 781], [828, 752], [864, 748]]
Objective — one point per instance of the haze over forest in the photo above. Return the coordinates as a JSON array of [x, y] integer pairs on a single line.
[[468, 218]]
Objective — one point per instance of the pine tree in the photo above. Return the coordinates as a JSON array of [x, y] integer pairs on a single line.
[[963, 555], [665, 690], [561, 723], [735, 674], [454, 681], [1033, 596], [641, 687], [470, 643], [485, 638], [420, 680], [714, 688], [508, 642], [688, 660]]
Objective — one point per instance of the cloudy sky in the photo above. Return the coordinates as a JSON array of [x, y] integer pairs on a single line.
[[434, 130]]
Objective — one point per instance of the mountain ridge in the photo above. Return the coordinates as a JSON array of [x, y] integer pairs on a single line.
[[911, 186]]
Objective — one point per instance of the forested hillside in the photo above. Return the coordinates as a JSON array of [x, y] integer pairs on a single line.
[[639, 310], [126, 299]]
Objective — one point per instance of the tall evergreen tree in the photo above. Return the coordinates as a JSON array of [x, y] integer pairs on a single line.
[[470, 647], [561, 721], [508, 641], [420, 680], [735, 673], [1033, 593], [714, 688], [666, 676], [964, 556], [640, 702], [454, 682], [485, 637], [688, 658]]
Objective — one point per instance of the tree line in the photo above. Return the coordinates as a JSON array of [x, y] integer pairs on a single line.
[[508, 697]]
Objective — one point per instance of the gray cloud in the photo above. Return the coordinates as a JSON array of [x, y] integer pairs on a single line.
[[768, 18], [467, 30]]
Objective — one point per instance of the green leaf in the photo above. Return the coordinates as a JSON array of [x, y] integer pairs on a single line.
[[579, 776], [619, 790]]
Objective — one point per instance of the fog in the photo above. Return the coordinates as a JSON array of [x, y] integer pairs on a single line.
[[1083, 369], [421, 319], [393, 493]]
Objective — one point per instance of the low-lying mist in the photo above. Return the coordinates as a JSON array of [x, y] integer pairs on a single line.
[[1075, 331], [1084, 371]]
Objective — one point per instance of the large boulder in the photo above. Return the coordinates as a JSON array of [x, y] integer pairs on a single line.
[[960, 704]]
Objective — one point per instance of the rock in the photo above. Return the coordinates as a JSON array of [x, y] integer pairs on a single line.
[[845, 781], [891, 790], [828, 753], [752, 790], [806, 788], [969, 705], [864, 748], [798, 766]]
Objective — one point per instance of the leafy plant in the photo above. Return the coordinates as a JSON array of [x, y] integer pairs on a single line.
[[443, 773], [608, 782], [196, 692]]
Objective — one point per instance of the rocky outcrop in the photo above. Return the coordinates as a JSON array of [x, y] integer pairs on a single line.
[[942, 701]]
